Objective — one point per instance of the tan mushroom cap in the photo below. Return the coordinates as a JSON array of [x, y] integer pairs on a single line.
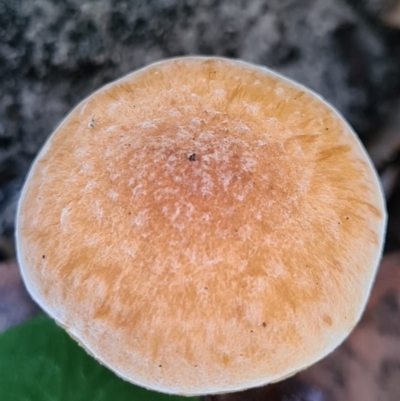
[[202, 225]]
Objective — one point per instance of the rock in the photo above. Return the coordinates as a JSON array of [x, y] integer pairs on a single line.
[[54, 53]]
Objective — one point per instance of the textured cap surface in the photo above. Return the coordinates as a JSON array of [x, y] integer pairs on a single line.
[[202, 225]]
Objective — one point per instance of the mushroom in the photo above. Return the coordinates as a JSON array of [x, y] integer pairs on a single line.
[[202, 225]]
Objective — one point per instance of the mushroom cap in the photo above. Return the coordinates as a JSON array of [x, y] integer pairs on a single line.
[[202, 225]]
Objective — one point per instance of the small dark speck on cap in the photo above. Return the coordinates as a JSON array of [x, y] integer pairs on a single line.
[[264, 324], [192, 157], [160, 366], [43, 256]]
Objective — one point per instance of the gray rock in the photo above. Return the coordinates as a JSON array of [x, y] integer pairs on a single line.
[[55, 52]]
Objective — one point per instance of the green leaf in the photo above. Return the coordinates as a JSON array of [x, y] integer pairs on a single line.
[[40, 362]]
